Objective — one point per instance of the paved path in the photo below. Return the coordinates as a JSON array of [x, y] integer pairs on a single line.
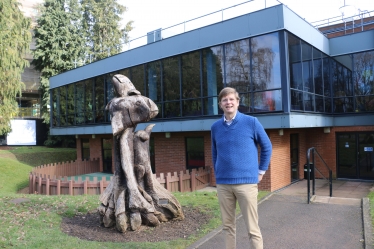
[[287, 221]]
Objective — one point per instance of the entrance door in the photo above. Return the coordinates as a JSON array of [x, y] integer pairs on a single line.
[[107, 155], [294, 148], [355, 156]]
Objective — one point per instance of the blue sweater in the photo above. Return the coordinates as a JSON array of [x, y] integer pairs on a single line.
[[234, 150]]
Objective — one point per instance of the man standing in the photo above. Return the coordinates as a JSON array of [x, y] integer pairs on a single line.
[[235, 138]]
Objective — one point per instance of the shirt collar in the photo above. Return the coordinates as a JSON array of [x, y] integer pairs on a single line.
[[226, 121]]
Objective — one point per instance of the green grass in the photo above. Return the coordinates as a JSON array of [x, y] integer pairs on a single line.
[[39, 155], [36, 224], [13, 176], [371, 200]]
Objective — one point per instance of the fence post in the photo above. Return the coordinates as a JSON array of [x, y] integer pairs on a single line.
[[58, 187], [193, 180], [47, 186], [85, 186], [71, 187], [168, 180], [30, 183], [40, 184], [101, 186], [181, 188]]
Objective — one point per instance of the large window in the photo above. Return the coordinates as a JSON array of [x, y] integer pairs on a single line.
[[364, 81], [266, 73], [187, 85], [313, 75]]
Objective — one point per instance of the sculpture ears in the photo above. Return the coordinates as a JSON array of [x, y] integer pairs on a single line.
[[133, 92], [144, 136]]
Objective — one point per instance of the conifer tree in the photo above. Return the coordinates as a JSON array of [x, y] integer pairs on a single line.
[[59, 42], [15, 38], [103, 32]]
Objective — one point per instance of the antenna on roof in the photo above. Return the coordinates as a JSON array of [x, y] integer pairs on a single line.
[[348, 10]]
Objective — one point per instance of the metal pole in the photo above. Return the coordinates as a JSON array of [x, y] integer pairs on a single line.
[[314, 178], [308, 178], [330, 181]]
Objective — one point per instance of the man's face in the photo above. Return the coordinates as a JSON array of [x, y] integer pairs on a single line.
[[229, 104]]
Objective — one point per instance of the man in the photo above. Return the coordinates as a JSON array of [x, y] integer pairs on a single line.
[[237, 170]]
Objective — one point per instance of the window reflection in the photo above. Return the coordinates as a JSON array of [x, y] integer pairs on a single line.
[[154, 81], [99, 99], [296, 101], [79, 103], [172, 109], [191, 75], [170, 79], [62, 106], [70, 104], [137, 78], [212, 76], [245, 102], [54, 107], [237, 65], [266, 71], [267, 101], [192, 107], [364, 81], [88, 101]]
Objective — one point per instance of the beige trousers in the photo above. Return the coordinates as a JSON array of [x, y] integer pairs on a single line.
[[246, 195]]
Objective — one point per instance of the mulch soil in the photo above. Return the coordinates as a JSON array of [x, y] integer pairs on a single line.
[[87, 227]]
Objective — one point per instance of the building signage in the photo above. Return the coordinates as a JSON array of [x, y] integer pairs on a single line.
[[368, 149]]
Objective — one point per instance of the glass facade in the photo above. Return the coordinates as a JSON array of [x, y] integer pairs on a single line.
[[187, 85]]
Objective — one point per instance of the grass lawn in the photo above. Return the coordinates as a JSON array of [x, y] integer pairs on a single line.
[[36, 223]]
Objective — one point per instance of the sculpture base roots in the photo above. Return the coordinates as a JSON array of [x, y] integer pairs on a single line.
[[117, 210]]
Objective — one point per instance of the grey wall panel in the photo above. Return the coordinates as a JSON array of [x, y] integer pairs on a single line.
[[353, 43], [310, 120], [301, 28], [355, 120], [265, 21], [269, 121]]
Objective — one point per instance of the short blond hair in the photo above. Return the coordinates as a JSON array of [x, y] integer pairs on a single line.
[[226, 91]]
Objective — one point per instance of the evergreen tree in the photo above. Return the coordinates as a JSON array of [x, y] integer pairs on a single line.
[[15, 38], [104, 36], [59, 42]]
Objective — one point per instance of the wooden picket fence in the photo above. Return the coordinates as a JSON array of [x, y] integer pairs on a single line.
[[47, 180]]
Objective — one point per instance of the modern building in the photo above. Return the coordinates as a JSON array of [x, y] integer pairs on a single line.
[[307, 88], [27, 125]]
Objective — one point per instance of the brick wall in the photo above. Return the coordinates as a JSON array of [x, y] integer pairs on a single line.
[[170, 153]]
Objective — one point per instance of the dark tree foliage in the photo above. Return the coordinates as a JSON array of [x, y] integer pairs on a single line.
[[101, 23], [59, 43]]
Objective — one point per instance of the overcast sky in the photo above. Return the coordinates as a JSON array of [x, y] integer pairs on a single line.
[[149, 15]]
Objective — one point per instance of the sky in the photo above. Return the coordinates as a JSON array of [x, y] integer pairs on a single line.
[[149, 15]]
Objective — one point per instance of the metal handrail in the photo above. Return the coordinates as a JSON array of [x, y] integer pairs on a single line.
[[312, 151]]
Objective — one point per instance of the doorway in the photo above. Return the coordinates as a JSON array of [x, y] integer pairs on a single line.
[[294, 149], [355, 155], [107, 155]]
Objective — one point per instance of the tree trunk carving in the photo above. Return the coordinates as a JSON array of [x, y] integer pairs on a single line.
[[134, 197]]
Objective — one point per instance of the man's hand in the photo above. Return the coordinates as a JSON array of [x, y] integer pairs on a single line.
[[260, 177]]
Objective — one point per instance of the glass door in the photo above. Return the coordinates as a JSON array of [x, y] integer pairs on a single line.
[[346, 155], [294, 144], [107, 155], [355, 155], [366, 155]]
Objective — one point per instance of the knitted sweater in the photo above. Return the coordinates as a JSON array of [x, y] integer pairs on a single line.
[[234, 150]]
